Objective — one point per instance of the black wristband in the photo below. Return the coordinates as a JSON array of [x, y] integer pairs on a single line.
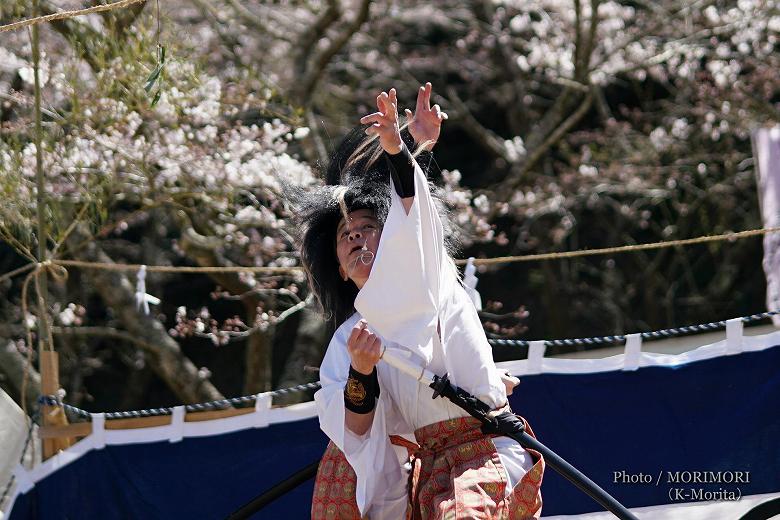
[[361, 391], [423, 158], [402, 170]]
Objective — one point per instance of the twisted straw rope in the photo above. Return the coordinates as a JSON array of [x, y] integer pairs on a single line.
[[67, 14], [174, 269], [623, 249], [478, 261]]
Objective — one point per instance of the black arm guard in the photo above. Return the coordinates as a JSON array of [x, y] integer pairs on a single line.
[[402, 171], [361, 391]]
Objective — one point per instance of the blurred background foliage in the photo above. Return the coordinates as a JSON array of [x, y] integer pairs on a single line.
[[573, 124]]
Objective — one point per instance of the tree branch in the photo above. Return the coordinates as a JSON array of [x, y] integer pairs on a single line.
[[309, 38], [259, 351], [483, 135], [316, 65], [105, 332], [587, 52], [485, 12], [508, 187], [167, 359], [308, 349], [252, 20], [14, 365]]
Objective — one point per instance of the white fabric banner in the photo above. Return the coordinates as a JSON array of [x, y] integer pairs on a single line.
[[767, 150], [13, 432]]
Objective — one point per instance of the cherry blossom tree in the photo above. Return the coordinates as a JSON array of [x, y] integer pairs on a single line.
[[169, 133]]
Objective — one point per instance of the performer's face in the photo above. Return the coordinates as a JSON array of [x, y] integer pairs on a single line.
[[357, 240]]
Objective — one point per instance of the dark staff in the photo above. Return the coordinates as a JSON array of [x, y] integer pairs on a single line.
[[288, 484], [504, 424]]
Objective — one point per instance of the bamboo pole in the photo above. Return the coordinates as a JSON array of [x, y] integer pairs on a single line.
[[48, 360], [41, 188]]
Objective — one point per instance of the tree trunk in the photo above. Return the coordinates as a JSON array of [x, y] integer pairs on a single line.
[[165, 355], [308, 350], [259, 352], [257, 370], [12, 365]]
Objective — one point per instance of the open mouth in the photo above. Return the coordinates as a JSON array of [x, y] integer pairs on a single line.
[[355, 248]]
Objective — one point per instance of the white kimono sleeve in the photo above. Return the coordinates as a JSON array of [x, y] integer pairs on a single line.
[[380, 490], [401, 297]]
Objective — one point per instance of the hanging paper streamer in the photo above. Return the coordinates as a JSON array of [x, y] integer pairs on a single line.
[[766, 142], [142, 299], [470, 281]]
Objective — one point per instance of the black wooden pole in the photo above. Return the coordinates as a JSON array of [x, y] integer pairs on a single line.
[[515, 430], [475, 408], [288, 484]]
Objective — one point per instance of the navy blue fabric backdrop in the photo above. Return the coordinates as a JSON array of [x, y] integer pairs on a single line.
[[197, 478], [720, 414], [714, 415]]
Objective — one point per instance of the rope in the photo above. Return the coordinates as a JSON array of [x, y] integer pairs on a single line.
[[623, 249], [43, 321], [62, 15], [221, 404], [477, 261], [658, 334], [175, 269], [23, 269]]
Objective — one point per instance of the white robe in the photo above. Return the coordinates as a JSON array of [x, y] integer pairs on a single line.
[[412, 290]]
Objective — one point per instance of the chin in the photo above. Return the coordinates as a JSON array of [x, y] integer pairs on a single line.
[[360, 275]]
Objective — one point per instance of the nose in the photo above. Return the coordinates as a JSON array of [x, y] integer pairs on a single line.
[[354, 234]]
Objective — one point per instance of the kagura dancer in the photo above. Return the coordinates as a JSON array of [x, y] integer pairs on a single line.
[[376, 258]]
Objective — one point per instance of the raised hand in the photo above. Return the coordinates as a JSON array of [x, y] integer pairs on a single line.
[[364, 348], [425, 123], [384, 123]]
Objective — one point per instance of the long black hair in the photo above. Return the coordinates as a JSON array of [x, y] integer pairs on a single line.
[[358, 174]]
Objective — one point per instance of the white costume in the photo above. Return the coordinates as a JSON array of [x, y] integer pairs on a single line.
[[412, 292]]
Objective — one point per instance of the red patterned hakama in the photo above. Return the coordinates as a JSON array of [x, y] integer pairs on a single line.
[[458, 475], [334, 488]]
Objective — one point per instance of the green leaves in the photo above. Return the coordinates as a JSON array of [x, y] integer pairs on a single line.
[[155, 78]]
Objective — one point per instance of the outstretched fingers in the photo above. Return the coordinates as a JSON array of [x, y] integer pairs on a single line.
[[387, 114], [384, 122], [425, 123], [389, 104], [376, 117], [423, 99]]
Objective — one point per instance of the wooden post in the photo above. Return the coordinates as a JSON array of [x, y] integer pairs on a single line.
[[49, 362], [52, 415]]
